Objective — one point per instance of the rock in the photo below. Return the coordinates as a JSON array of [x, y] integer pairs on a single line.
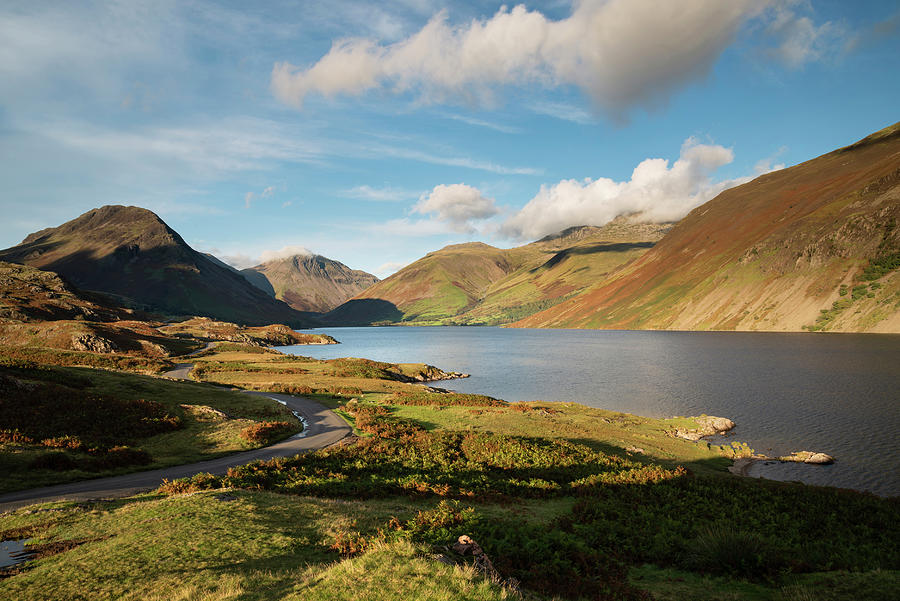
[[92, 343], [707, 426], [808, 457], [819, 459]]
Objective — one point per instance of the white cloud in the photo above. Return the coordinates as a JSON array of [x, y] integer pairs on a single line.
[[457, 205], [386, 269], [656, 192], [564, 111], [801, 41], [386, 194], [506, 129], [622, 53], [242, 260], [209, 150], [249, 197], [450, 161], [236, 260], [284, 252]]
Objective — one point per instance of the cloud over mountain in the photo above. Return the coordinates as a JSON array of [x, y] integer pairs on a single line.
[[656, 192]]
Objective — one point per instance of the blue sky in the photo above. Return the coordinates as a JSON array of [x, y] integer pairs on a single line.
[[375, 132]]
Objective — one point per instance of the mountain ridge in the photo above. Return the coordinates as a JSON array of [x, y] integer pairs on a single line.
[[309, 282], [478, 284], [784, 252], [134, 256]]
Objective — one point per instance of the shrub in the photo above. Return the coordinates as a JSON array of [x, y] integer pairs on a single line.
[[63, 442], [198, 482], [364, 368], [15, 437], [119, 456], [444, 399], [446, 521], [265, 432], [57, 461], [720, 549]]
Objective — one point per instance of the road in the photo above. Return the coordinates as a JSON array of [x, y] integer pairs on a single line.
[[324, 428]]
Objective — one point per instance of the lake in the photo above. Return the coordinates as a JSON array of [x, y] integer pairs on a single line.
[[834, 393]]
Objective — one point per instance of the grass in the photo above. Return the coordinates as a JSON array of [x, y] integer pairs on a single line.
[[572, 502], [203, 433], [238, 545]]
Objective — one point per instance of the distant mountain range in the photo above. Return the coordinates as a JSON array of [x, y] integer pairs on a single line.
[[815, 246], [130, 253], [478, 284], [309, 282]]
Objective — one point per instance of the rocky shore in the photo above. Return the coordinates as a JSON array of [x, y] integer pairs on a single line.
[[430, 373], [708, 425]]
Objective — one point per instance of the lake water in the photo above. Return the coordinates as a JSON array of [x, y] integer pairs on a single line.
[[834, 393]]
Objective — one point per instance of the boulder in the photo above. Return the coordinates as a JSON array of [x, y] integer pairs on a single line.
[[95, 344], [708, 425]]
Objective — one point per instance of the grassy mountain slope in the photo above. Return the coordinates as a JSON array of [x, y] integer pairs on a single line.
[[479, 284], [28, 295], [309, 282], [813, 246], [131, 253], [560, 266]]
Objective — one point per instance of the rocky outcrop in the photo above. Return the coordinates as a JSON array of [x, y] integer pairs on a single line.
[[270, 335], [430, 373], [707, 425], [741, 466], [808, 457], [92, 343]]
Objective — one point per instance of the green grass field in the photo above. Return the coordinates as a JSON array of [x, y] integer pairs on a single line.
[[567, 501]]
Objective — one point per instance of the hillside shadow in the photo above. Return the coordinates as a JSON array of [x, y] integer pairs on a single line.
[[259, 280], [363, 312], [591, 249], [26, 252], [706, 465]]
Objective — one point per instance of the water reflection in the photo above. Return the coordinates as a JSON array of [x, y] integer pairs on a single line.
[[12, 552]]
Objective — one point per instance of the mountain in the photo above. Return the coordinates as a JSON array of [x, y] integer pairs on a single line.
[[132, 254], [309, 282], [814, 246], [478, 284]]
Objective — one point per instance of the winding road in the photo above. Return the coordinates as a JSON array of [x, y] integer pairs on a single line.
[[323, 428]]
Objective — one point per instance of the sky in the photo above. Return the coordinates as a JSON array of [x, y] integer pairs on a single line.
[[375, 132]]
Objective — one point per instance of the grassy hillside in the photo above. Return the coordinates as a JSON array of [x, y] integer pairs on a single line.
[[132, 254], [814, 246], [478, 284], [309, 282], [59, 424], [565, 501]]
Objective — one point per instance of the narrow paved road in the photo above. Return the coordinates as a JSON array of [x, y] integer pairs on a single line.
[[182, 371], [324, 428]]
